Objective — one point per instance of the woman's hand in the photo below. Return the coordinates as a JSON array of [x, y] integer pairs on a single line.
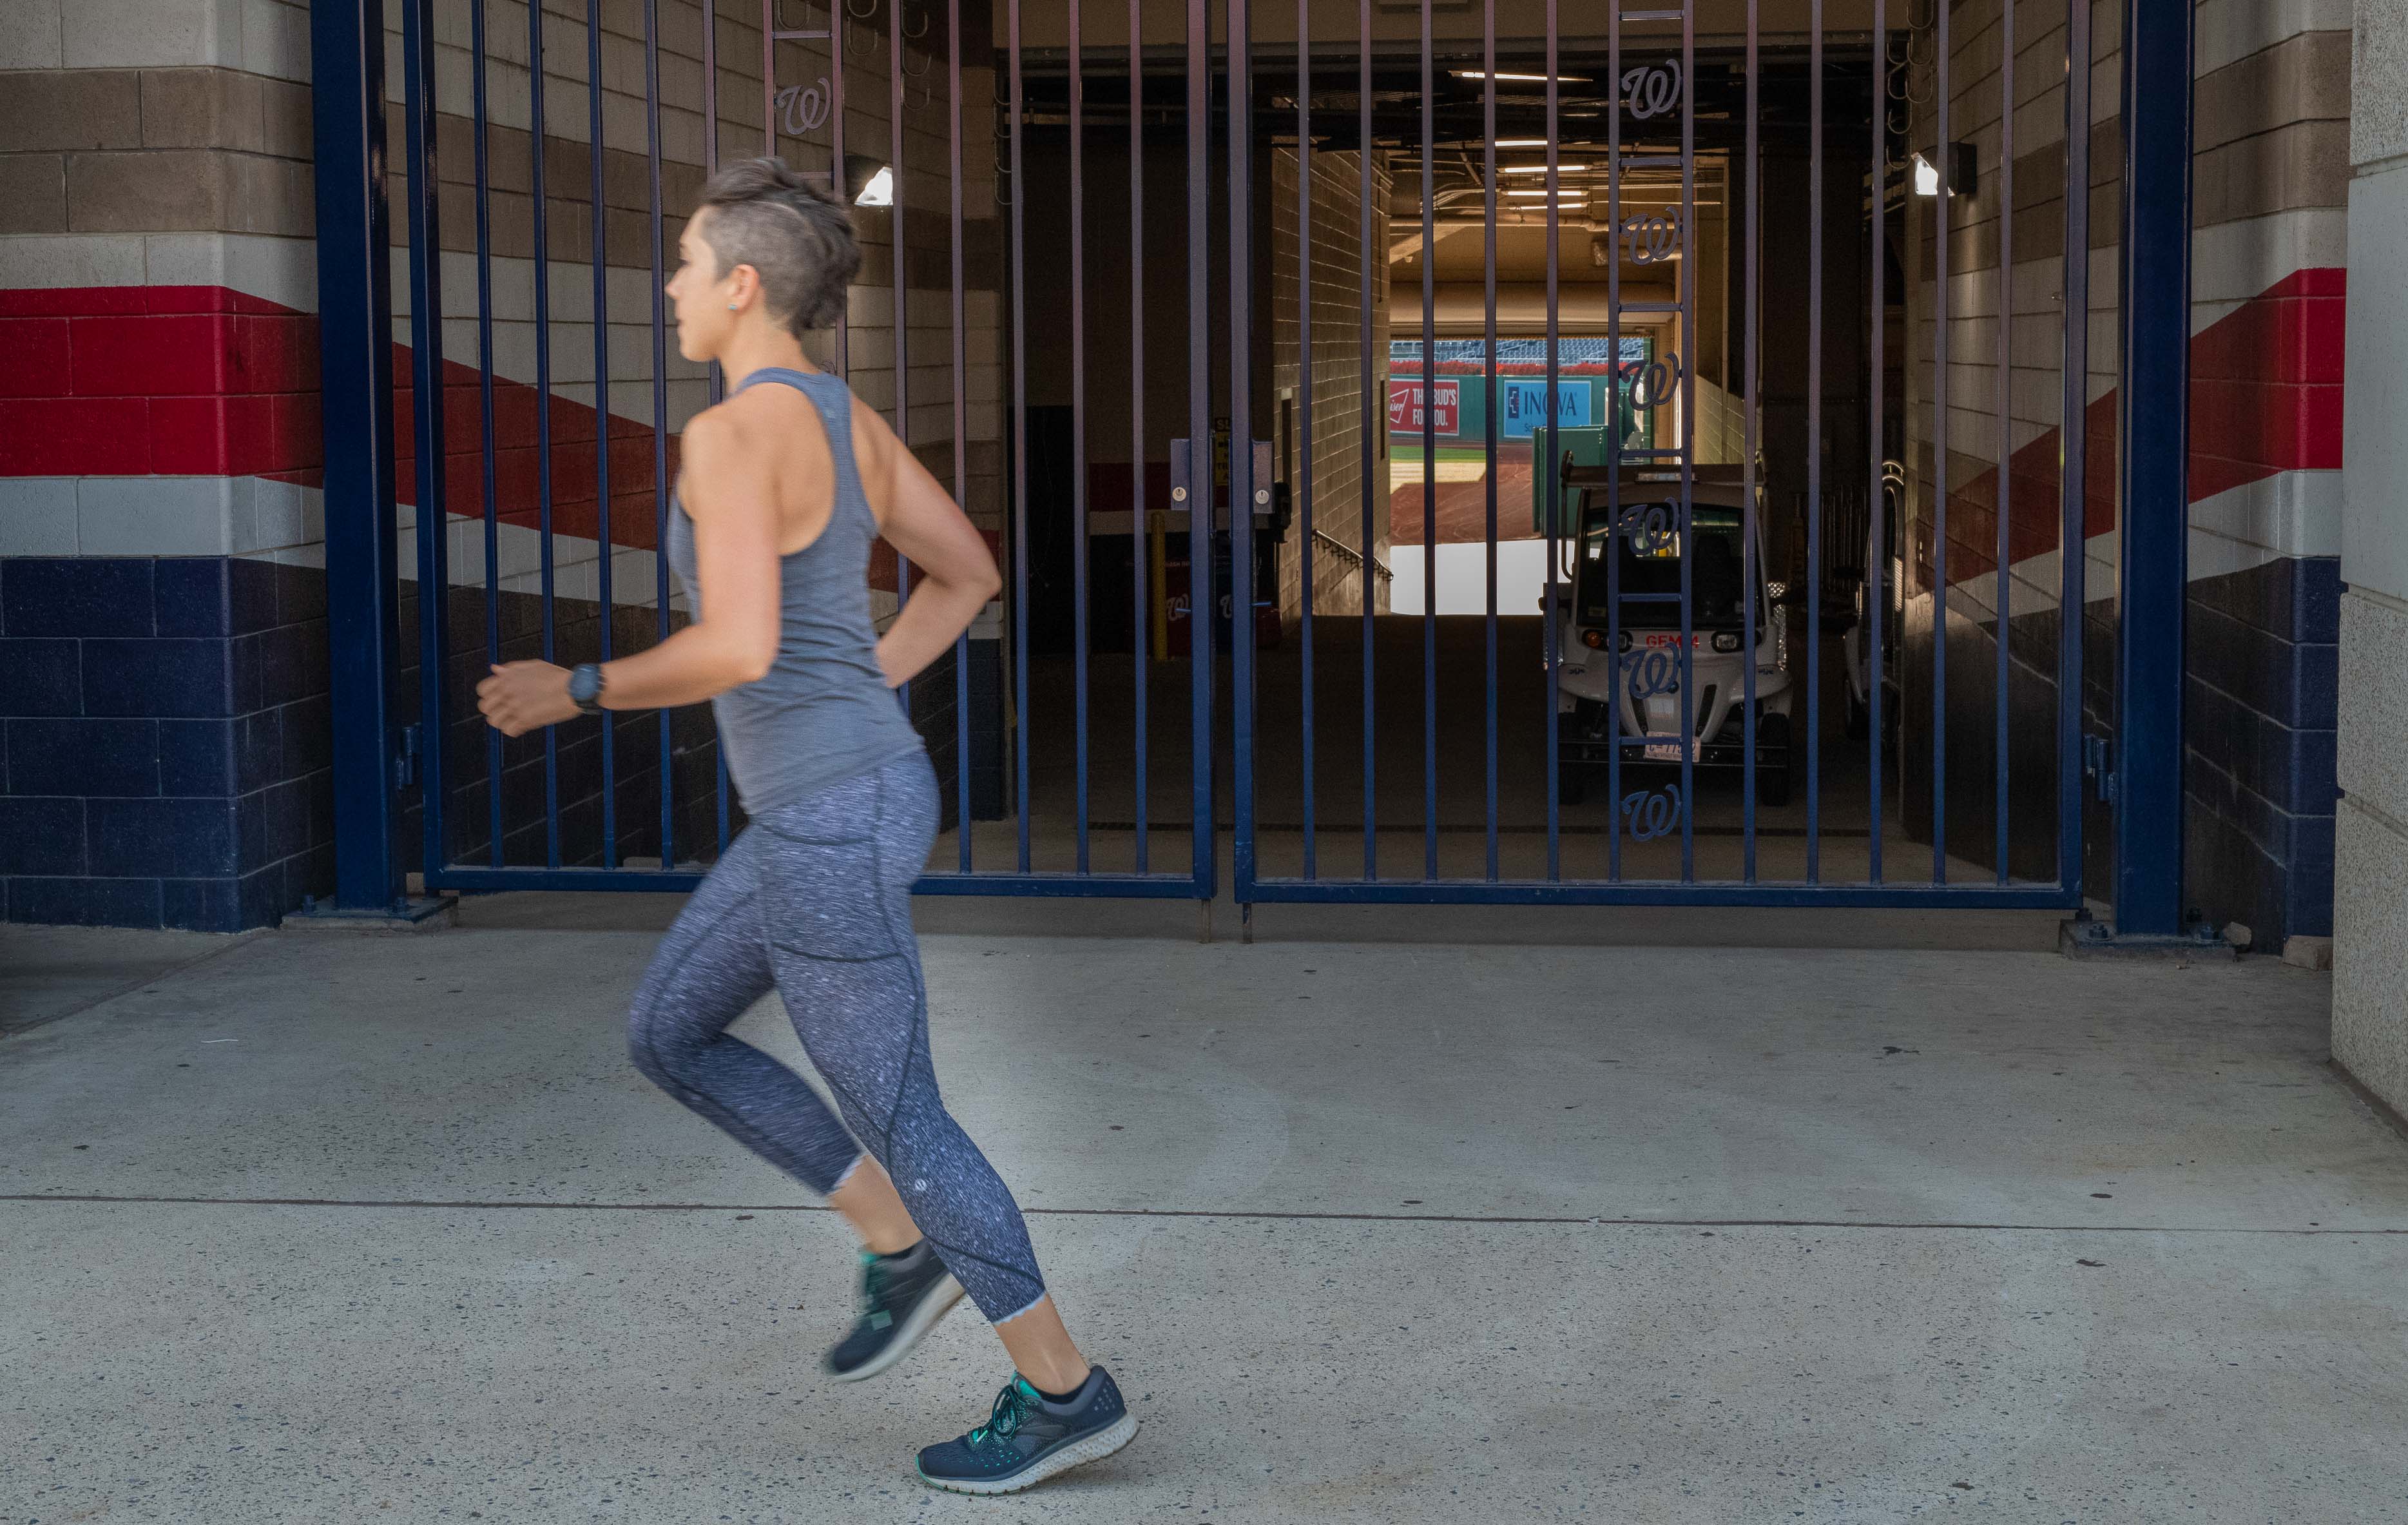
[[522, 696]]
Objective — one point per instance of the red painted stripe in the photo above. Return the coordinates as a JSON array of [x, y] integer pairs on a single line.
[[2266, 398], [203, 380]]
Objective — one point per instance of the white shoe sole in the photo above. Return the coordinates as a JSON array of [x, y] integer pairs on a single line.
[[939, 1302], [1097, 1447]]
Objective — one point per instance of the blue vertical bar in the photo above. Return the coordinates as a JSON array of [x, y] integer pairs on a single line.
[[1814, 457], [355, 354], [602, 542], [543, 413], [1940, 466], [1019, 434], [2073, 481], [1619, 388], [1140, 642], [1751, 523], [1374, 420], [840, 23], [426, 415], [1688, 289], [1246, 474], [718, 382], [2006, 410], [1550, 466], [902, 316], [485, 408], [1876, 497], [1488, 398], [1197, 480], [1430, 455], [2154, 408], [660, 413], [1303, 437], [1079, 525], [962, 432]]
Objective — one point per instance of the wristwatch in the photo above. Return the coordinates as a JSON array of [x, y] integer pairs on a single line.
[[585, 688]]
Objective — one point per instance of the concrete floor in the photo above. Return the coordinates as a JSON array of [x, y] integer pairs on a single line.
[[335, 1227]]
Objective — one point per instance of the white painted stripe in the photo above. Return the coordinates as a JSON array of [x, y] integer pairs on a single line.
[[2229, 31], [157, 516], [2293, 513], [2232, 262], [279, 270]]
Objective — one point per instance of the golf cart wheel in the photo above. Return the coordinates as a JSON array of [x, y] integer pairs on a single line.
[[1860, 718], [1772, 786]]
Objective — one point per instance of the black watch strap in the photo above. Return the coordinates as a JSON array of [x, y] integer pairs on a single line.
[[585, 688]]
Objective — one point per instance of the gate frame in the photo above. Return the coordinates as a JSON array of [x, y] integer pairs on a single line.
[[2160, 333], [374, 756]]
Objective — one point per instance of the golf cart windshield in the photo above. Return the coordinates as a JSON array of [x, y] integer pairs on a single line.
[[1650, 563]]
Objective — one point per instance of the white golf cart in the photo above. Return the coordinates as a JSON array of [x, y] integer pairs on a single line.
[[1643, 635]]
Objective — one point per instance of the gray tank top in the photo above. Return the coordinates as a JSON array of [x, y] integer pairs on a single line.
[[823, 712]]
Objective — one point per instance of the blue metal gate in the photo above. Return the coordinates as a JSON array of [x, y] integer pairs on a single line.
[[643, 803], [1689, 709], [1738, 654]]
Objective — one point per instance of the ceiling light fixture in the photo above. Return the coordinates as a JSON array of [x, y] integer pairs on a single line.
[[1523, 79], [1540, 169]]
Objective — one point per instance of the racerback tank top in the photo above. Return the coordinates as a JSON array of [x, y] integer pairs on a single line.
[[822, 713]]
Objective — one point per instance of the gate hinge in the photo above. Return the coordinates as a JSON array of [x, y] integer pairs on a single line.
[[405, 762], [2097, 752]]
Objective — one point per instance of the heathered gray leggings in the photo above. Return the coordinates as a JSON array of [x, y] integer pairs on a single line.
[[815, 899]]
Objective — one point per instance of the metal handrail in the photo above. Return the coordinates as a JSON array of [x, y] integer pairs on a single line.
[[1354, 557]]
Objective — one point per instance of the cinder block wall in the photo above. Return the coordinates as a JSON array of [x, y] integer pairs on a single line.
[[162, 647], [2268, 290], [2370, 1032]]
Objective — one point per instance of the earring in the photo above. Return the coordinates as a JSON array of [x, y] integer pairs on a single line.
[[731, 307]]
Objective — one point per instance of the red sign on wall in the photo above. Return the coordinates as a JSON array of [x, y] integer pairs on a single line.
[[1405, 405]]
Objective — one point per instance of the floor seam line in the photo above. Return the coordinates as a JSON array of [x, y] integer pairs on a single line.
[[237, 941], [104, 1200]]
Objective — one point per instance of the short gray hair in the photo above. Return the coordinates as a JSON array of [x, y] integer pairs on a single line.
[[795, 235]]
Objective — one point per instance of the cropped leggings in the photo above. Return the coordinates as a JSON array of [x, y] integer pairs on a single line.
[[815, 899]]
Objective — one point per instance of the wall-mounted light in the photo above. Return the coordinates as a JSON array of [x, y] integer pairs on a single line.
[[874, 178], [1924, 171]]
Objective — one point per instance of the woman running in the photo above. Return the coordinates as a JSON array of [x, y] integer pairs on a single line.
[[786, 485]]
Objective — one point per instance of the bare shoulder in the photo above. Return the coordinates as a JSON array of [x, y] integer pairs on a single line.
[[717, 450], [874, 449], [712, 434], [873, 437]]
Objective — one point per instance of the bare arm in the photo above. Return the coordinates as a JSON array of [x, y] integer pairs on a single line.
[[730, 495], [954, 575]]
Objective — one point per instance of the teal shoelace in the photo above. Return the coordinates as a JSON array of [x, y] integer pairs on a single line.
[[1011, 1406]]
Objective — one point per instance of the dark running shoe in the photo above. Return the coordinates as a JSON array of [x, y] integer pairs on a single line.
[[902, 1296], [1027, 1439]]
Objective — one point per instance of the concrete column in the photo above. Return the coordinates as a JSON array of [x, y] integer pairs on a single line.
[[2371, 869]]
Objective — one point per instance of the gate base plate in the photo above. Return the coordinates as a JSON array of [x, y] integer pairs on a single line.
[[418, 913], [2083, 938]]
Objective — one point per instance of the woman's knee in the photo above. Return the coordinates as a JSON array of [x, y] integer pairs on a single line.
[[655, 1042]]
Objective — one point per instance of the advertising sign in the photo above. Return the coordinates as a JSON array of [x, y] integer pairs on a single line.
[[1405, 401], [1525, 406]]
